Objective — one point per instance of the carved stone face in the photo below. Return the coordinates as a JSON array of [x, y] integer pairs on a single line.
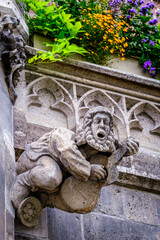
[[99, 135], [100, 127]]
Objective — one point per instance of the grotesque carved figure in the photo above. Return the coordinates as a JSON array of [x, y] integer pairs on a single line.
[[12, 52], [66, 170]]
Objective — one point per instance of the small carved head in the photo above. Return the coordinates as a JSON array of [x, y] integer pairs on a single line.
[[9, 22], [97, 130]]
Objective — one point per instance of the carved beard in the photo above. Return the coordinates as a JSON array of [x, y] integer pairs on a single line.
[[107, 146]]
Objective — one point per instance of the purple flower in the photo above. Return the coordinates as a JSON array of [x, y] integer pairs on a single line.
[[158, 14], [130, 1], [144, 40], [150, 5], [111, 3], [132, 10], [135, 4], [153, 21], [152, 72], [151, 43], [144, 10], [141, 2], [129, 16], [147, 65]]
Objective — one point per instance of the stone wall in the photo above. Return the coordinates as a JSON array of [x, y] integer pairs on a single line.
[[122, 214], [58, 95], [7, 161]]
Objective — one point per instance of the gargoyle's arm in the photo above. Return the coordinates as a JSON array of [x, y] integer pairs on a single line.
[[63, 141], [127, 148]]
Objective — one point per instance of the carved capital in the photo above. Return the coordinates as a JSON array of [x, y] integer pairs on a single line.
[[12, 53]]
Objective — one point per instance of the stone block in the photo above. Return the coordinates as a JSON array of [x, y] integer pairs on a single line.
[[9, 176], [129, 204], [98, 227], [6, 118], [142, 162], [63, 225], [9, 218], [2, 191], [20, 129], [35, 131], [39, 232], [111, 202], [140, 206], [158, 208]]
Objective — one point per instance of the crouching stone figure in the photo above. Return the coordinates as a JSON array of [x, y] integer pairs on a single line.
[[67, 170]]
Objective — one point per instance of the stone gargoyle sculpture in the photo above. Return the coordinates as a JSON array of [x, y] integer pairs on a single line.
[[67, 170], [12, 53]]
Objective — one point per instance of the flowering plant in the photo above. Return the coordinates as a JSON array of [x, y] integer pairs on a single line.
[[103, 36], [122, 27], [143, 33]]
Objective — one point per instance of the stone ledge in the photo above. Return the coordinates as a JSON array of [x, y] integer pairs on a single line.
[[99, 76], [137, 181], [20, 236], [103, 70]]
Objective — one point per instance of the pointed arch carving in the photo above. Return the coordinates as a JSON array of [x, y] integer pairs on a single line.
[[144, 122], [49, 103]]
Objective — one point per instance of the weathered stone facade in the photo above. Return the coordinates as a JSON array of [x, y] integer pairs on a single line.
[[58, 95], [10, 64]]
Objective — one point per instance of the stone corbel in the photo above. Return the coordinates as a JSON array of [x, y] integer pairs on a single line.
[[67, 170], [12, 53]]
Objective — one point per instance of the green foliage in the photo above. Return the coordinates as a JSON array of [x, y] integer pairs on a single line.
[[60, 50], [52, 21], [76, 8], [122, 27]]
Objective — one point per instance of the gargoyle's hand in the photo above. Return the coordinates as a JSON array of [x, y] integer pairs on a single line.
[[97, 172], [132, 146]]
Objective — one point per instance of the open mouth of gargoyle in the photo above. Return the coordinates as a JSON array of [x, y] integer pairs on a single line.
[[101, 134]]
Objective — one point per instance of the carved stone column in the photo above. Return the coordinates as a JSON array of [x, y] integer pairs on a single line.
[[11, 61]]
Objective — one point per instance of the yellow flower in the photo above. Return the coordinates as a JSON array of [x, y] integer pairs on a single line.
[[112, 50], [125, 45], [123, 58], [55, 39], [124, 29], [104, 37], [87, 34]]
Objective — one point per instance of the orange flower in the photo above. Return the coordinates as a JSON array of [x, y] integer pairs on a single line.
[[125, 45], [112, 50]]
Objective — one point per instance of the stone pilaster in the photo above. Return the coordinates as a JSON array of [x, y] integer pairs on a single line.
[[11, 61]]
